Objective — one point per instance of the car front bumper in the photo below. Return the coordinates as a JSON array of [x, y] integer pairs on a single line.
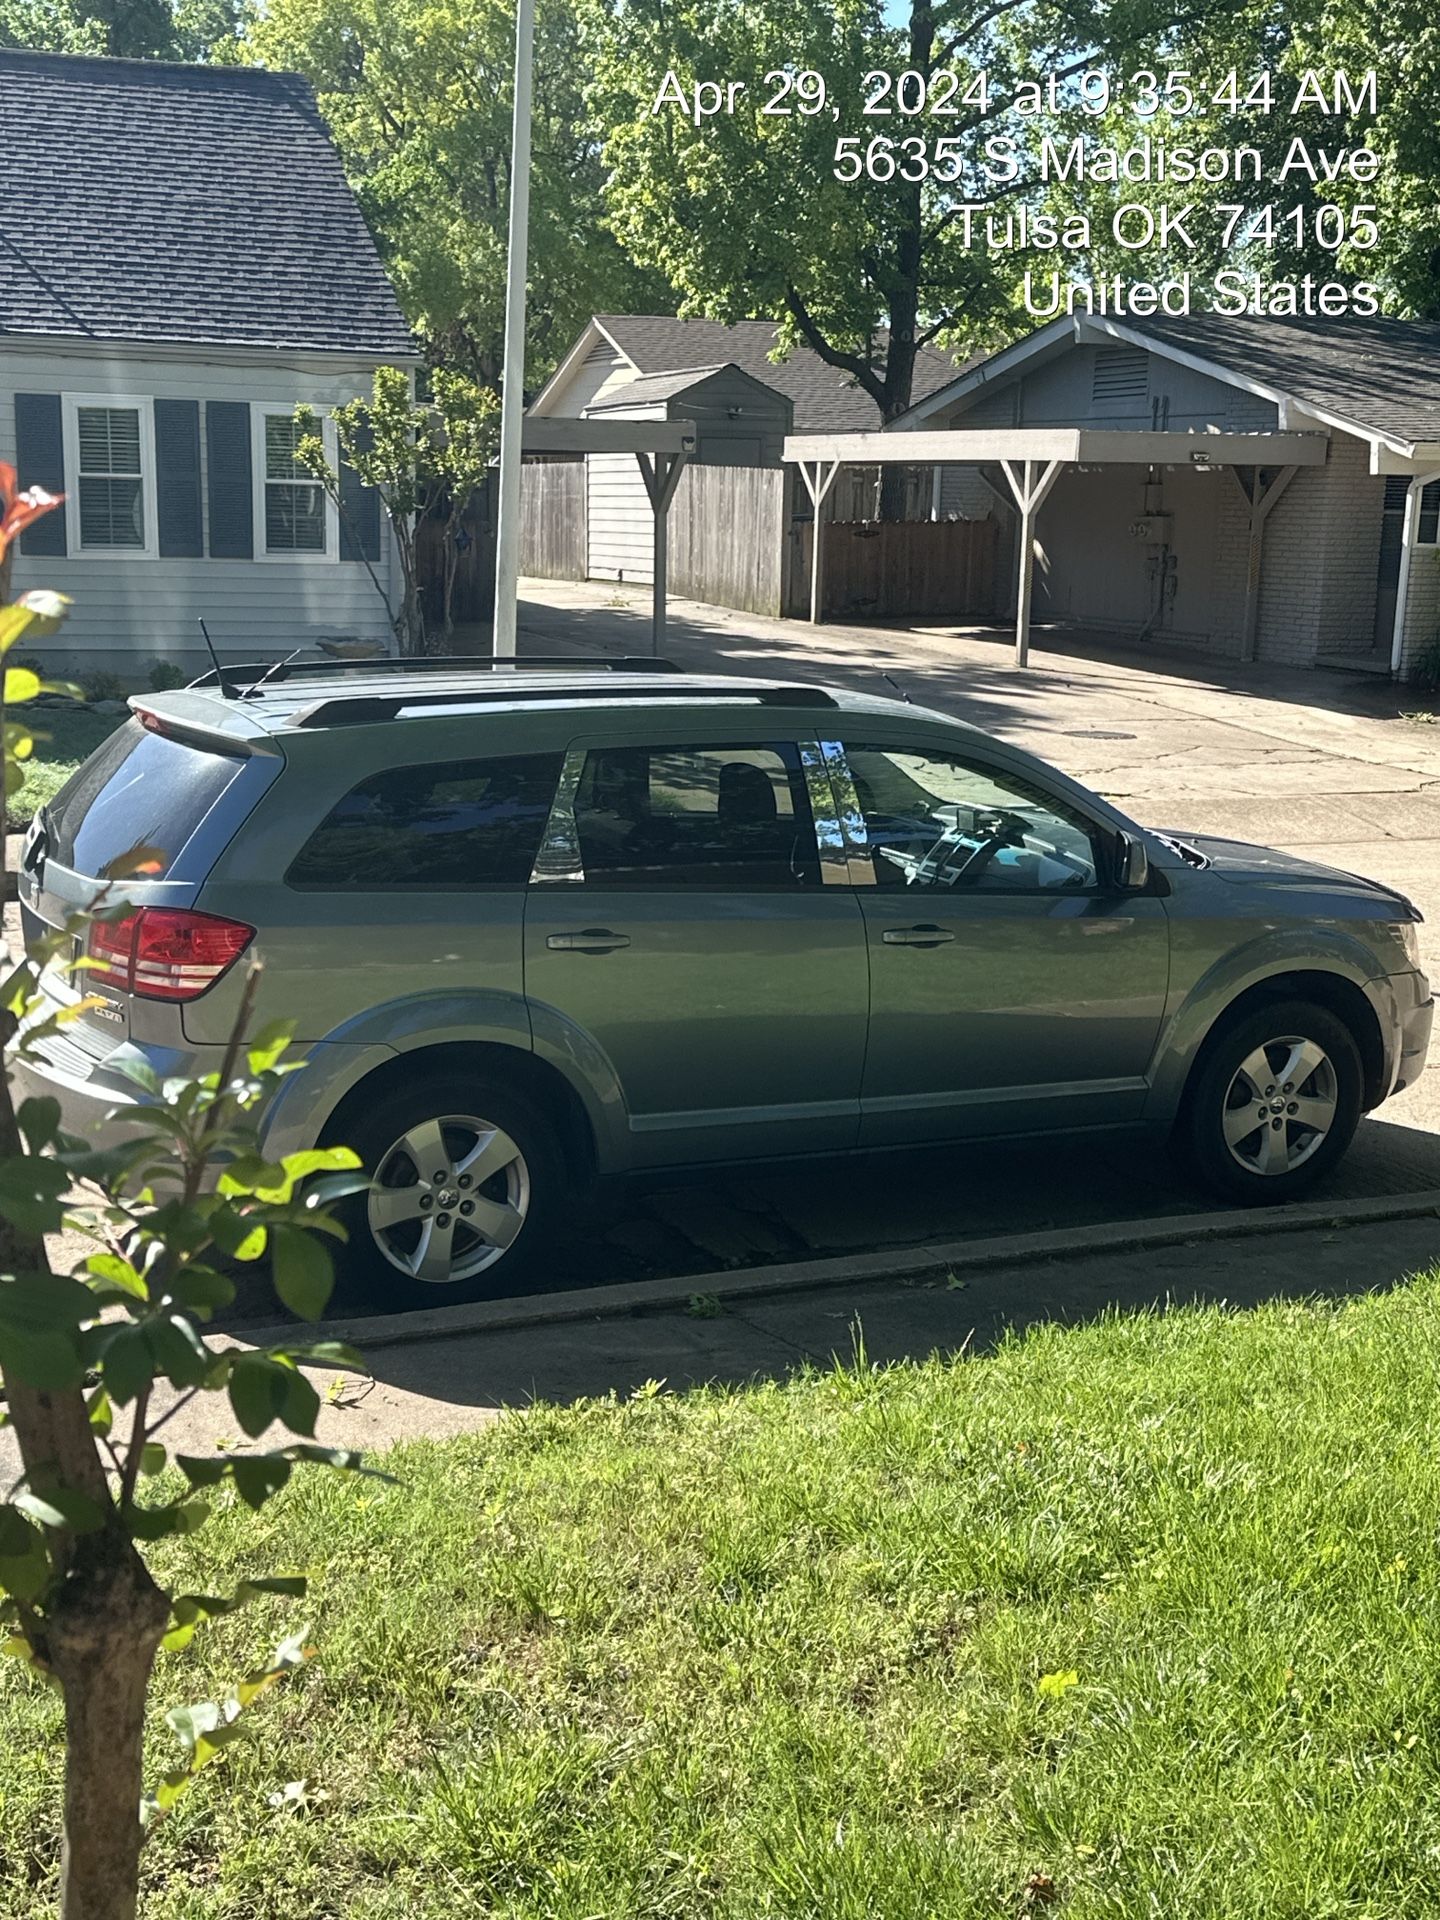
[[1406, 1011]]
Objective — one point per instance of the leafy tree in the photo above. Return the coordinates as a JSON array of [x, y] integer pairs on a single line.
[[135, 29], [78, 1599], [744, 213], [425, 459], [417, 94]]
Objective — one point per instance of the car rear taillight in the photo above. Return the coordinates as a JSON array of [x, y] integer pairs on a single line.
[[165, 953]]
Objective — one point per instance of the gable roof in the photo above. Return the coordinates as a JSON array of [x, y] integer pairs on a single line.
[[183, 203], [1382, 375], [825, 399], [1377, 378], [653, 389]]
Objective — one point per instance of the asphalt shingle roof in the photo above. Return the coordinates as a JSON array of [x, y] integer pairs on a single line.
[[825, 399], [1381, 374], [182, 203], [649, 389]]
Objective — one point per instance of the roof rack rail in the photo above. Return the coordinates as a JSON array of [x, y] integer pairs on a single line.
[[357, 710], [273, 672]]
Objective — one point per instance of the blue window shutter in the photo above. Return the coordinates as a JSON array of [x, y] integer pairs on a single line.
[[359, 516], [40, 461], [177, 479], [232, 500]]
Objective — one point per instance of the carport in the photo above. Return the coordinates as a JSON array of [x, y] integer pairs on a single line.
[[1262, 466], [661, 449]]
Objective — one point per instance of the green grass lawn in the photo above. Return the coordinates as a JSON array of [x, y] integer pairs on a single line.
[[64, 736], [1136, 1620]]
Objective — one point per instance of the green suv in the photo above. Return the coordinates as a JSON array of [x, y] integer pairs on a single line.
[[540, 921]]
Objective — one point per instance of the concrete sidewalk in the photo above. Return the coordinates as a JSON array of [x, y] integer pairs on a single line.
[[455, 1385]]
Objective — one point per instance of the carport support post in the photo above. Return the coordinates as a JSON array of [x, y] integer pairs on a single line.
[[817, 491], [1260, 504], [661, 474], [1029, 497]]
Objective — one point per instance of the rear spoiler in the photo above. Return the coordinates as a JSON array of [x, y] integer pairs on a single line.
[[195, 733]]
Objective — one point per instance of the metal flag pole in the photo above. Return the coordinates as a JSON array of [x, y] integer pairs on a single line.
[[512, 395]]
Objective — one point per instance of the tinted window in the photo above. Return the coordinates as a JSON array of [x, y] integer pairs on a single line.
[[134, 804], [935, 821], [702, 816], [475, 824]]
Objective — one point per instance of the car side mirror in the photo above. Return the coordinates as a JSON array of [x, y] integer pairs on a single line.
[[1132, 863]]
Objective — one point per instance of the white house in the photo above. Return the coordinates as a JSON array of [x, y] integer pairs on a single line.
[[184, 263]]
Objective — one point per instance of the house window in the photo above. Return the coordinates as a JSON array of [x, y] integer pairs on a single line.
[[295, 506], [1427, 524], [111, 476]]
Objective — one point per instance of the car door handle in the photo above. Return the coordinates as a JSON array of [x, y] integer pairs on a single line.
[[588, 940], [930, 936]]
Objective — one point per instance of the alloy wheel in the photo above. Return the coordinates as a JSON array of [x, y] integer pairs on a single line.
[[448, 1199], [1281, 1105]]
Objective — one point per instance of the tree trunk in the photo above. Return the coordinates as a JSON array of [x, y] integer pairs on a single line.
[[102, 1638], [100, 1632]]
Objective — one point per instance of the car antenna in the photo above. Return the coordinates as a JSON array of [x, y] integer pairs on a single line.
[[276, 666], [229, 691], [891, 681]]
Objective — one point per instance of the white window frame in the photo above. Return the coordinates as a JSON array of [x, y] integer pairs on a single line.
[[260, 412], [143, 404]]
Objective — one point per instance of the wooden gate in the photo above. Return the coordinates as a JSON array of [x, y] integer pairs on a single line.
[[552, 519], [726, 537], [884, 569]]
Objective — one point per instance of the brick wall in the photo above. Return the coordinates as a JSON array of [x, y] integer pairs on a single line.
[[1322, 553], [1422, 610]]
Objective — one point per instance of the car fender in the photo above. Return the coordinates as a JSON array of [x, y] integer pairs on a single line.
[[336, 1065], [1275, 951]]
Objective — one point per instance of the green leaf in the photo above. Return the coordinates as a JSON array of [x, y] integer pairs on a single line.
[[136, 1068], [258, 1475], [49, 1361], [24, 1557], [62, 1507], [300, 1166], [20, 685], [326, 1353], [301, 1270], [119, 1272], [176, 1517], [301, 1407], [203, 1469], [257, 1391], [180, 1354], [39, 1121], [269, 1044], [202, 1289], [152, 1458], [30, 1190], [128, 1364]]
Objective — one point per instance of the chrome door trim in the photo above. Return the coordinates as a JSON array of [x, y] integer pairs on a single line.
[[558, 856], [830, 842], [860, 869]]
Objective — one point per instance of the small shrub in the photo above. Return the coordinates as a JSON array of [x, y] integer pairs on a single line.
[[103, 686], [165, 676]]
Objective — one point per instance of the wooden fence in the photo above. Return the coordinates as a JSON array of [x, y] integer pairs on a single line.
[[874, 569], [552, 519], [727, 545]]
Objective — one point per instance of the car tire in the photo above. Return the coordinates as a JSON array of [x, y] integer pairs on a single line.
[[478, 1181], [1273, 1103]]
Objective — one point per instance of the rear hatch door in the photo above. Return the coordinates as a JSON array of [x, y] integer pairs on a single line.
[[139, 824]]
